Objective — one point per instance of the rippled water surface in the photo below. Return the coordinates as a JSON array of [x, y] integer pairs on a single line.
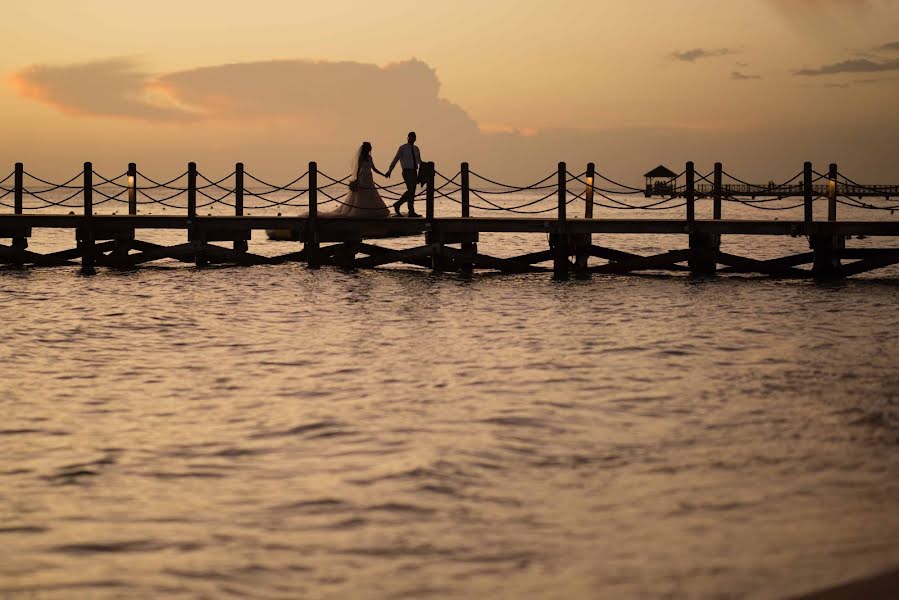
[[276, 432]]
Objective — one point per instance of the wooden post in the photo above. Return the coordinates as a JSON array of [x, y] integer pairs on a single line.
[[310, 244], [191, 190], [563, 192], [88, 257], [591, 173], [559, 241], [238, 190], [19, 187], [239, 245], [469, 249], [691, 194], [808, 192], [466, 192], [195, 233], [719, 172], [429, 193], [832, 193], [19, 244], [580, 243], [132, 189], [432, 235]]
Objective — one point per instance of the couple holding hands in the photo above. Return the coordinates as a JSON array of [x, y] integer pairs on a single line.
[[363, 200]]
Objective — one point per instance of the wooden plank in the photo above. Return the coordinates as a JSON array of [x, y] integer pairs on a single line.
[[506, 265], [290, 257], [19, 255], [786, 261], [375, 251], [869, 264], [394, 256], [741, 264], [644, 263], [151, 252], [478, 225], [533, 258]]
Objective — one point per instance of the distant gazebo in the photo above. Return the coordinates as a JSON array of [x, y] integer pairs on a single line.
[[661, 181]]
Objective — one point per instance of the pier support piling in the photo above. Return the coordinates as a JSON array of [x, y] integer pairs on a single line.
[[559, 243], [19, 243], [704, 249], [827, 264], [239, 245], [86, 237], [311, 244], [469, 250]]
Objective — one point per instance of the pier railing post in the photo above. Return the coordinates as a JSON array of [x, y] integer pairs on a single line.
[[132, 189], [88, 190], [239, 245], [433, 237], [808, 192], [563, 192], [690, 195], [466, 191], [588, 208], [88, 257], [238, 190], [19, 184], [832, 193], [195, 233], [559, 241], [716, 209], [192, 190], [20, 243], [429, 194], [310, 244], [469, 248]]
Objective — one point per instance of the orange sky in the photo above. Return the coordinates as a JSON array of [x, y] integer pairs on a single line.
[[512, 86]]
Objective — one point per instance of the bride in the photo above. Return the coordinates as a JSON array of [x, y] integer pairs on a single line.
[[363, 200]]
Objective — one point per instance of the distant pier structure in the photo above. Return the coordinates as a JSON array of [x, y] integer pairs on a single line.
[[108, 215], [661, 181]]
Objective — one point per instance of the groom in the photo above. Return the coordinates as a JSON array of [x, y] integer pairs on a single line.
[[409, 158]]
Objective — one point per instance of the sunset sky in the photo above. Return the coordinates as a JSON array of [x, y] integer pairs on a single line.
[[511, 86]]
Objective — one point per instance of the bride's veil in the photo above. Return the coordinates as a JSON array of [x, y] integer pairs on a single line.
[[354, 164]]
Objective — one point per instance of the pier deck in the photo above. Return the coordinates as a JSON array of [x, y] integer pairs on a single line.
[[448, 243]]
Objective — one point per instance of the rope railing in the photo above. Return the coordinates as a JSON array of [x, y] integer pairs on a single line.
[[166, 185], [284, 188], [496, 196], [513, 187], [56, 186], [876, 190]]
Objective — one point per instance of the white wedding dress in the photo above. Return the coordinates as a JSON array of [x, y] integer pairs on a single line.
[[364, 201]]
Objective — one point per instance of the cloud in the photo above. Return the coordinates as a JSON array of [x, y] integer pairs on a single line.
[[115, 87], [330, 97], [743, 76], [701, 53], [856, 65]]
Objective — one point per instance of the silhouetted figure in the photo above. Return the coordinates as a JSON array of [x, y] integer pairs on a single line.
[[409, 158], [363, 199]]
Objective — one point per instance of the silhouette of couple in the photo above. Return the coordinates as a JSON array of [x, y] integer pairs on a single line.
[[363, 199]]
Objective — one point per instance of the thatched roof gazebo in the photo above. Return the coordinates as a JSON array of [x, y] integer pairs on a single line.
[[660, 181]]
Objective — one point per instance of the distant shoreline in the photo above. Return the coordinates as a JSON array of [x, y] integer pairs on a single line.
[[878, 587]]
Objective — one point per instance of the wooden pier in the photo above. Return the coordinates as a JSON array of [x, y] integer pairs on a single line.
[[451, 243]]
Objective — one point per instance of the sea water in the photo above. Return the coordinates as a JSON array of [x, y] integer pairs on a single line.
[[280, 432]]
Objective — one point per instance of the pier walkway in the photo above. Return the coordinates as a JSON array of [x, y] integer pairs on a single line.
[[446, 243]]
